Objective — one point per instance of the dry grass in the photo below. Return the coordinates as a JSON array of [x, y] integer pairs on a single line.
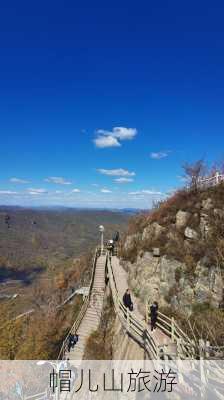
[[206, 322]]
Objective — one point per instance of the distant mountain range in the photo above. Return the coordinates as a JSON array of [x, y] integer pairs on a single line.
[[30, 236]]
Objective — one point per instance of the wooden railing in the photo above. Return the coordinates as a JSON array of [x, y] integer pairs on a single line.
[[134, 327], [84, 307], [185, 347], [211, 181], [39, 396]]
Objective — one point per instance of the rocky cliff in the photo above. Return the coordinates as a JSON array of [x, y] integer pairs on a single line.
[[175, 254]]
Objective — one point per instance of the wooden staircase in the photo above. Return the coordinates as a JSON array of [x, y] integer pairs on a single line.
[[91, 319]]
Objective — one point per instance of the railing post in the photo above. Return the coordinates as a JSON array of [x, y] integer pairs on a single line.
[[207, 345], [172, 329], [128, 319], [146, 313], [178, 347], [201, 348], [217, 178]]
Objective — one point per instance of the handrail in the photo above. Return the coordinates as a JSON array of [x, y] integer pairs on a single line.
[[83, 309], [138, 330], [134, 327], [38, 396], [185, 346]]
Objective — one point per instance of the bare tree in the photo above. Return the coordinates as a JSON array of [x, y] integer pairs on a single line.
[[193, 172]]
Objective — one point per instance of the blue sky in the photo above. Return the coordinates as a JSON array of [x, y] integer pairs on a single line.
[[102, 102]]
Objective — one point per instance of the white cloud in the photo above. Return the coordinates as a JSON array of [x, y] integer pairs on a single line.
[[105, 191], [18, 180], [7, 192], [149, 192], [95, 184], [159, 155], [58, 180], [106, 141], [116, 172], [34, 191], [111, 138], [75, 191], [123, 180], [119, 132]]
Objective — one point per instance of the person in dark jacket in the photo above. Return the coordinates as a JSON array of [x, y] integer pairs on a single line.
[[154, 314], [72, 340], [127, 300]]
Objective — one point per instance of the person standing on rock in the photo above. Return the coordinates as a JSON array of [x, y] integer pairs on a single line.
[[154, 314], [127, 300]]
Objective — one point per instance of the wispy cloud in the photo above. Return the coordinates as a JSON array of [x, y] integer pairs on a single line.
[[18, 180], [7, 192], [113, 138], [123, 180], [116, 172], [58, 180], [148, 192], [34, 191], [105, 191], [159, 155], [75, 191]]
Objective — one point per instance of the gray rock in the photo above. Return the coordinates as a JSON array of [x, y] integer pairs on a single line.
[[207, 204], [131, 241], [202, 293], [152, 231], [174, 302], [186, 297], [190, 233], [156, 252], [204, 225], [219, 212], [182, 218]]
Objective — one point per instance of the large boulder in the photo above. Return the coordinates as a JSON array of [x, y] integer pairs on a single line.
[[186, 298], [182, 218], [202, 293], [190, 233], [208, 284], [219, 212], [152, 231], [204, 225], [131, 241], [207, 204]]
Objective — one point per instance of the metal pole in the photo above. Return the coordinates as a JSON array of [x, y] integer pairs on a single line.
[[102, 242], [172, 328]]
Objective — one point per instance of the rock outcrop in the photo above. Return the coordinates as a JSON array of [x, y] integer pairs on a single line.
[[190, 233], [182, 218], [152, 231], [174, 263]]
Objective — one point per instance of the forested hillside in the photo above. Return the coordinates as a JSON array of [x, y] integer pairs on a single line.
[[32, 238], [44, 256]]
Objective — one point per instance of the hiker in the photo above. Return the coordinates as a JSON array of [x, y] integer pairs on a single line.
[[154, 314], [110, 246], [116, 237], [72, 340], [127, 300]]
